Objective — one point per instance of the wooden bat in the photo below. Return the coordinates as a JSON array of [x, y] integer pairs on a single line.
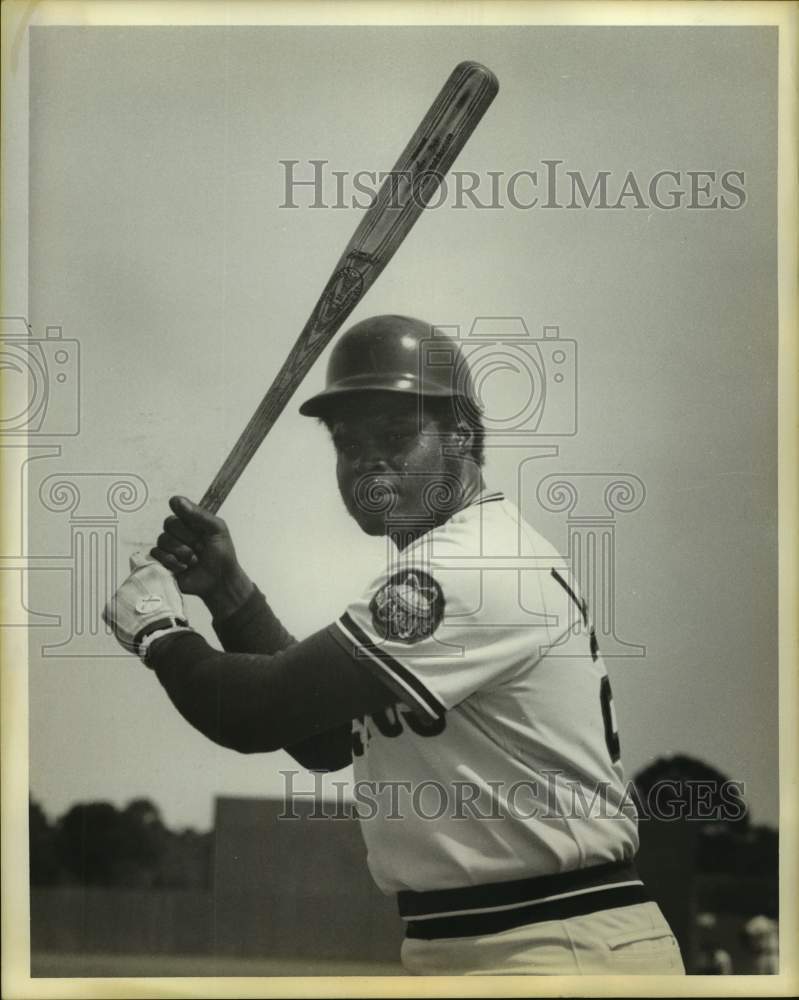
[[402, 197]]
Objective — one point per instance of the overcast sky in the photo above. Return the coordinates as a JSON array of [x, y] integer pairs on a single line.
[[157, 241]]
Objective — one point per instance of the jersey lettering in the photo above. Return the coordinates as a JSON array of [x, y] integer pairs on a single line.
[[422, 725], [389, 722]]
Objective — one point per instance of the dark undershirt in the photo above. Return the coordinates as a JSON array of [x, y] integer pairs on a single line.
[[267, 691]]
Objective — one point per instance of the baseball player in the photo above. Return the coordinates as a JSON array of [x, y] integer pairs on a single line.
[[464, 683]]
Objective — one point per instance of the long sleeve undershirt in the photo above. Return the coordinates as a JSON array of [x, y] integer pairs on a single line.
[[267, 691]]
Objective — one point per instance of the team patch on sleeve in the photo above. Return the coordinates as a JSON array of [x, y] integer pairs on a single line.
[[408, 607]]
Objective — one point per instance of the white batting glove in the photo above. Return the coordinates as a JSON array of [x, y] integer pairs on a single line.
[[146, 606]]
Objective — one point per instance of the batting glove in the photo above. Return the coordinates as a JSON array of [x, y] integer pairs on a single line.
[[146, 606]]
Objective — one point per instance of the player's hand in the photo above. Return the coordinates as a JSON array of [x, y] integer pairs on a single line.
[[196, 546], [148, 601]]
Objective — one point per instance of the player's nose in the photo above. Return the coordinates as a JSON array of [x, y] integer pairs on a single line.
[[371, 459]]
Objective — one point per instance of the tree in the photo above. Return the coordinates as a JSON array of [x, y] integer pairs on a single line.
[[101, 845], [44, 866], [679, 786]]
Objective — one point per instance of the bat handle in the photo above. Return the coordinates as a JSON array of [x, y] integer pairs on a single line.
[[212, 499]]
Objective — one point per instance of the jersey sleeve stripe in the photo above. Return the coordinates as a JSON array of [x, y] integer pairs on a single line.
[[390, 670]]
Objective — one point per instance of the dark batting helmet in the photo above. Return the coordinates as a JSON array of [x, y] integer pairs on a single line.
[[394, 354]]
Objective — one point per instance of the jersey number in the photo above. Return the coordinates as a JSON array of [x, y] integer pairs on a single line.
[[609, 718]]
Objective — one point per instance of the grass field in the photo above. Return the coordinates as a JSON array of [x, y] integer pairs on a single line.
[[72, 966]]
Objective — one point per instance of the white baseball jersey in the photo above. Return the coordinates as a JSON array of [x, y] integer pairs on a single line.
[[502, 756]]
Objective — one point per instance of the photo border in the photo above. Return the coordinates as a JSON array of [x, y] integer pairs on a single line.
[[17, 18]]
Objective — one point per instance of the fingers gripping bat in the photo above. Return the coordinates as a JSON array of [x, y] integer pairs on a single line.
[[402, 197]]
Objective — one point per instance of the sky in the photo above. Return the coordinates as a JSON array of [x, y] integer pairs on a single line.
[[160, 242]]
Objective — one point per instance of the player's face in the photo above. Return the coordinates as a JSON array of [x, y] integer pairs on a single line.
[[392, 469]]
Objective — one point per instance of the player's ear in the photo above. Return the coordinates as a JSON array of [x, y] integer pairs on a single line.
[[463, 437], [458, 441]]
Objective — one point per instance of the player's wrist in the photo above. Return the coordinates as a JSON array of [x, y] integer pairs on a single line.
[[152, 637], [229, 595]]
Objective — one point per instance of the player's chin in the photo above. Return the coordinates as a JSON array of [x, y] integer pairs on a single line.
[[370, 502], [374, 527], [370, 522]]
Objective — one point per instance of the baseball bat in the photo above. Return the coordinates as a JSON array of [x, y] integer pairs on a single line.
[[399, 202]]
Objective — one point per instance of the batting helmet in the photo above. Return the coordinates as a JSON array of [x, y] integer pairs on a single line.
[[394, 354]]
